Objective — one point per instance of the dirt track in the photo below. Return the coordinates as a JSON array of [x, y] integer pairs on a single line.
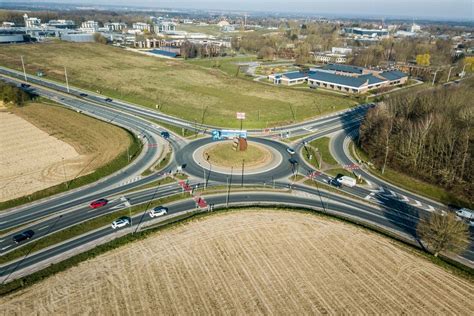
[[254, 262]]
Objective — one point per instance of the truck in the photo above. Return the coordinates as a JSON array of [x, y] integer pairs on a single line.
[[348, 181]]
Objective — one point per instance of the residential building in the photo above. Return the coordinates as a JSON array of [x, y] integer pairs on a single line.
[[165, 27], [328, 57], [115, 26], [31, 22], [90, 26], [141, 26]]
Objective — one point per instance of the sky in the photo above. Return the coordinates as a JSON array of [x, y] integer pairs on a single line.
[[446, 9]]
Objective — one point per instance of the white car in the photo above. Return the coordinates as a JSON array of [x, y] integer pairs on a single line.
[[158, 211], [121, 222], [291, 151]]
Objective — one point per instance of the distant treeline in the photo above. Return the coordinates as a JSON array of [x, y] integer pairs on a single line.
[[428, 135], [11, 94]]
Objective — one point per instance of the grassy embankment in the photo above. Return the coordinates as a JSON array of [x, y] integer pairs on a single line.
[[82, 132], [193, 90]]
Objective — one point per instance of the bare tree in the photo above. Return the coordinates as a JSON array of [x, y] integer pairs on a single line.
[[444, 233]]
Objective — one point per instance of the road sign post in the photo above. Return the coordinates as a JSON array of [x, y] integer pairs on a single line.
[[241, 117]]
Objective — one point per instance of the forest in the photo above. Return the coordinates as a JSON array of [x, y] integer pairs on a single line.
[[428, 135]]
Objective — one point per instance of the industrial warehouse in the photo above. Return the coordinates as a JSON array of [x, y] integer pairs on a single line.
[[344, 78]]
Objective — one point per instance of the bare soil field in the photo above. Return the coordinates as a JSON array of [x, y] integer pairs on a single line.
[[175, 87], [252, 262], [44, 145]]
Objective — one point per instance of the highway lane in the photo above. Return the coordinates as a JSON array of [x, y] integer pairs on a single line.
[[334, 203], [81, 213]]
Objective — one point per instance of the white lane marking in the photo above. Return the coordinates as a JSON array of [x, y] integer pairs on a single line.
[[394, 194], [44, 227], [370, 196], [6, 247]]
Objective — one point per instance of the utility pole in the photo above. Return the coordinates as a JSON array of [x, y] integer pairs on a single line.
[[24, 71], [242, 182], [434, 77], [449, 73], [67, 82]]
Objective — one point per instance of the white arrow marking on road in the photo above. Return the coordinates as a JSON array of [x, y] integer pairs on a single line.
[[379, 190], [368, 197], [430, 208], [393, 193], [417, 203], [6, 247]]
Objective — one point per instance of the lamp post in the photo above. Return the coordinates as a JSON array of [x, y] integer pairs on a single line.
[[449, 73], [24, 71], [434, 77]]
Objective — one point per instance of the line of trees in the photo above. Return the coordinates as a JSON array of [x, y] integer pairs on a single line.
[[428, 135], [10, 94]]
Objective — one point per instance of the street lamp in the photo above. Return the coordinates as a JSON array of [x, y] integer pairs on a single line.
[[449, 73], [434, 77]]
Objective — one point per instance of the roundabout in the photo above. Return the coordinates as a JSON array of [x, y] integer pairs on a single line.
[[264, 161]]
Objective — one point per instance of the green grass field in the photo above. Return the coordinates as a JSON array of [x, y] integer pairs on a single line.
[[191, 90]]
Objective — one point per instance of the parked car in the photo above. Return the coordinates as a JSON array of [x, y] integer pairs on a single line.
[[291, 151], [99, 203], [158, 211], [108, 100], [120, 222], [23, 236]]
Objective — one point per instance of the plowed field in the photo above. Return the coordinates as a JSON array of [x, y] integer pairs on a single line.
[[252, 262]]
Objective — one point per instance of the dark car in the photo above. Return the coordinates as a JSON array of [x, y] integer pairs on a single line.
[[335, 183], [83, 94], [25, 85], [108, 100], [23, 236], [99, 203], [165, 135], [293, 161]]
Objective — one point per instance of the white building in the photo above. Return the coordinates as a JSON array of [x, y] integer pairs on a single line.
[[141, 26], [115, 26], [165, 27], [328, 57], [415, 28], [8, 24], [61, 24], [223, 23], [341, 50], [31, 22], [89, 26]]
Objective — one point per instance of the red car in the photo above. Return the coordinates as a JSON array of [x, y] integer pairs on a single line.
[[99, 203]]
